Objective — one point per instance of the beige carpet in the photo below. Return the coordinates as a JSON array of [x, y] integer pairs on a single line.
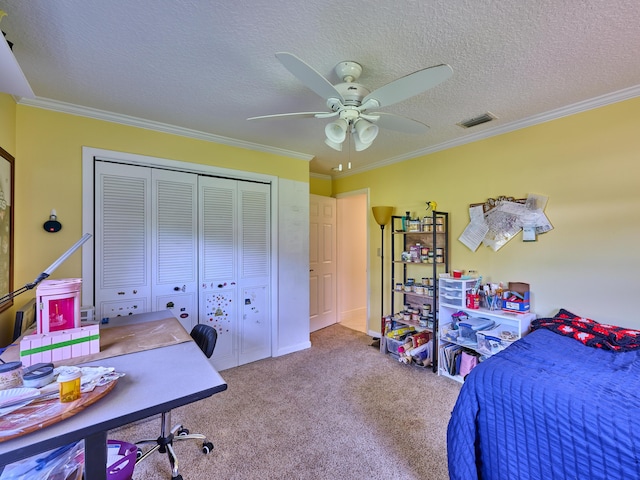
[[339, 410]]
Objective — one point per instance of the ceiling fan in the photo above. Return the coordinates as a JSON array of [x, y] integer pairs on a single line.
[[351, 102]]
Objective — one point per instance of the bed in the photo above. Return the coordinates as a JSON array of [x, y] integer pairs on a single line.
[[551, 406]]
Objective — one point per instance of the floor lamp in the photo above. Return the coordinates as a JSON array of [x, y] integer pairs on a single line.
[[382, 216]]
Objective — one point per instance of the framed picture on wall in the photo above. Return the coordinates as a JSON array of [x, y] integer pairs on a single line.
[[6, 227]]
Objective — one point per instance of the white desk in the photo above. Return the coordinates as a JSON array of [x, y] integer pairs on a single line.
[[156, 380]]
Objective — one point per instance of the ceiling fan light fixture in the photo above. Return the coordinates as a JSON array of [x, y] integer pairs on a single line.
[[336, 131], [367, 131], [335, 145], [359, 144]]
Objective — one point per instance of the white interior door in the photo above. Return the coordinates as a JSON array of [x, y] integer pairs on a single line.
[[322, 262]]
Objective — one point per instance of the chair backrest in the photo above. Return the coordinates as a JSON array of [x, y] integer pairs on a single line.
[[205, 336], [25, 318]]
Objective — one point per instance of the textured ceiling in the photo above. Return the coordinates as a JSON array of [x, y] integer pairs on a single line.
[[207, 66]]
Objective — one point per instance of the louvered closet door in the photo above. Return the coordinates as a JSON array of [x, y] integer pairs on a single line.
[[122, 243], [254, 271], [235, 268], [174, 260]]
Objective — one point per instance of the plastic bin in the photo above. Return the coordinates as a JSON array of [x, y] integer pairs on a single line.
[[393, 344], [469, 327], [121, 460], [65, 462]]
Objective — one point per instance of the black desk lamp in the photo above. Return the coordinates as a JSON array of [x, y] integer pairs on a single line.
[[48, 271]]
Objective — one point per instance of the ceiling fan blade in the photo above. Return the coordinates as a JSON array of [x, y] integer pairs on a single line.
[[410, 85], [308, 76], [297, 114], [399, 124]]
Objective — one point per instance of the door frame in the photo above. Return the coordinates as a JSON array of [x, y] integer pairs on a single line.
[[343, 235], [89, 154]]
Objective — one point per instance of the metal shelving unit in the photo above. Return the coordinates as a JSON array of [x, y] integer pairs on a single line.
[[427, 244]]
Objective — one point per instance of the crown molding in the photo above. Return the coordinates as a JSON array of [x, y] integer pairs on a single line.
[[579, 107], [321, 176], [97, 114]]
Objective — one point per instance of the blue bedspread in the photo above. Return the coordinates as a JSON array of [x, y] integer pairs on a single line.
[[548, 407]]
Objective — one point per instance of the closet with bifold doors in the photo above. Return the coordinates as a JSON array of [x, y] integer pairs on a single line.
[[194, 244], [235, 268]]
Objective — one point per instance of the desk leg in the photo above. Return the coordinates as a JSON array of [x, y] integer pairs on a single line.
[[95, 454]]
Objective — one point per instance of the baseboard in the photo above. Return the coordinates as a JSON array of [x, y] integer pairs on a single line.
[[292, 348], [356, 315]]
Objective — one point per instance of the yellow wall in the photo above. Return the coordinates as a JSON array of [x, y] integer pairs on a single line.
[[8, 142], [8, 123], [587, 164], [320, 186], [49, 176]]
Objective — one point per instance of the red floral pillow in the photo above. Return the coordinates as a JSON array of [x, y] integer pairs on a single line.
[[590, 332]]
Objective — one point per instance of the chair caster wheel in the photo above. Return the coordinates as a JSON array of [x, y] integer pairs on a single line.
[[183, 431], [177, 477], [138, 453], [207, 447]]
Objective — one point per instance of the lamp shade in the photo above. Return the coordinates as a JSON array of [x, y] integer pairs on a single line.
[[367, 131], [359, 145], [335, 145], [336, 131], [382, 214]]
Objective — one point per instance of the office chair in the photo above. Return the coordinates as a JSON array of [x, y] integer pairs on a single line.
[[205, 337], [25, 319]]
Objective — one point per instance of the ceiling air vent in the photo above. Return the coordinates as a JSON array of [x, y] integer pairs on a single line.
[[472, 122]]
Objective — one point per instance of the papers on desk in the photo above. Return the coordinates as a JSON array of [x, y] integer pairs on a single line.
[[91, 377], [14, 398]]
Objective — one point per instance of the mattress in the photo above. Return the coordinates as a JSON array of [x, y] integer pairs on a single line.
[[548, 407]]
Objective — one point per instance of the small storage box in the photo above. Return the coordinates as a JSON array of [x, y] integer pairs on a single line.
[[469, 327], [517, 298], [393, 344]]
